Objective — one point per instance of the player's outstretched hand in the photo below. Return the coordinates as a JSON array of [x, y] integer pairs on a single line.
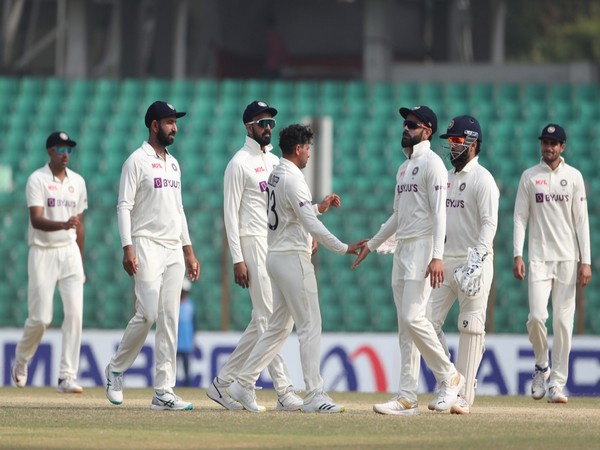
[[354, 249], [519, 268], [329, 200], [363, 253], [130, 261]]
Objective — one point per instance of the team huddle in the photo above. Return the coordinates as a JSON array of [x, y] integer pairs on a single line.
[[441, 233]]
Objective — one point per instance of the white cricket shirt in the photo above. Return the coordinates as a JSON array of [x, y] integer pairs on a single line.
[[471, 210], [291, 215], [244, 194], [150, 202], [60, 200], [419, 201], [553, 204]]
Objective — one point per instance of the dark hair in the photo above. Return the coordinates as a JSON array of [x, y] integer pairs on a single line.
[[294, 135], [478, 148]]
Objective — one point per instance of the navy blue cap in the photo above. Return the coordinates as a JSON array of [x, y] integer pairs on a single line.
[[425, 115], [59, 138], [464, 126], [554, 132], [159, 110], [255, 108]]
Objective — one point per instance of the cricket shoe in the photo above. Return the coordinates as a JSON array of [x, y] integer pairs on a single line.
[[217, 392], [449, 390], [320, 402], [436, 392], [460, 407], [68, 386], [168, 401], [555, 395], [114, 386], [397, 406], [245, 396], [19, 374], [538, 385], [289, 401]]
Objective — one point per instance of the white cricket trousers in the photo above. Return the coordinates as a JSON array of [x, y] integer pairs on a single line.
[[416, 334], [295, 300], [158, 283], [47, 268], [254, 251], [558, 278]]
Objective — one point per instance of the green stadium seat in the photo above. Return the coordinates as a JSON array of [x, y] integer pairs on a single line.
[[256, 90], [331, 90], [157, 89], [508, 92], [406, 94], [482, 93]]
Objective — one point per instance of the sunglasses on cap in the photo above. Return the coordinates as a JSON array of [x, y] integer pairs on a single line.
[[62, 150], [412, 125], [264, 123]]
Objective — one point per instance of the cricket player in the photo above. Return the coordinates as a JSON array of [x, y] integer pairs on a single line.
[[245, 212], [292, 219], [419, 224], [471, 222], [551, 200], [56, 198], [156, 251]]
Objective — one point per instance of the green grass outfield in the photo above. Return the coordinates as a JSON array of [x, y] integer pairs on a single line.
[[41, 418]]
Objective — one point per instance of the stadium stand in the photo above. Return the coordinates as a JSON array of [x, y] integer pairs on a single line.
[[105, 116]]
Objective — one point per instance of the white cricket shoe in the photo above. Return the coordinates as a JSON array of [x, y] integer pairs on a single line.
[[245, 396], [114, 386], [19, 374], [289, 401], [68, 386], [217, 392], [538, 385], [460, 407], [555, 395], [320, 402], [436, 392], [449, 390], [168, 401], [397, 406]]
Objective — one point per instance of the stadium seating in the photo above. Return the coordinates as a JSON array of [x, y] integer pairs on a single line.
[[105, 116]]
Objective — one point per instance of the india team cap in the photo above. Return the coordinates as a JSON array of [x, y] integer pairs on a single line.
[[425, 115], [159, 110], [60, 138], [554, 132], [255, 108], [464, 126]]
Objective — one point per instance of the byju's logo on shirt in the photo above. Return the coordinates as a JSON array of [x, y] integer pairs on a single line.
[[53, 203], [541, 198], [164, 183]]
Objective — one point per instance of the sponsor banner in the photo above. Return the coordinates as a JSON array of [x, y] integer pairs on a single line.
[[364, 362]]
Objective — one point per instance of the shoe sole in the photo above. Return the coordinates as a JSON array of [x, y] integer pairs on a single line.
[[323, 411], [459, 411], [74, 391], [287, 408], [222, 403], [18, 383], [404, 412], [538, 397], [166, 408]]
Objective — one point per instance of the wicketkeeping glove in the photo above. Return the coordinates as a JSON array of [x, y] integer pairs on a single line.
[[468, 276]]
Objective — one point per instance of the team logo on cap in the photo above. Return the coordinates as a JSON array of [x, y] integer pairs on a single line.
[[263, 104], [416, 107], [415, 171], [551, 129], [64, 136], [170, 106], [563, 183], [451, 124]]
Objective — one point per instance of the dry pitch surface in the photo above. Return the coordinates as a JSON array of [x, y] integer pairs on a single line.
[[41, 418]]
